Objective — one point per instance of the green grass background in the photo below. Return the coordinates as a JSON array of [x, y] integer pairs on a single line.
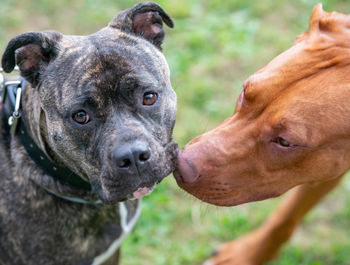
[[214, 47]]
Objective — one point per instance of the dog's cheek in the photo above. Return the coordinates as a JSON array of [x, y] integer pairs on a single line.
[[72, 145], [169, 114], [163, 161]]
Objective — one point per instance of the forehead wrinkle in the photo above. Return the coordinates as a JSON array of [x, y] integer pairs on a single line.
[[325, 45], [153, 62], [300, 63], [112, 68], [91, 97], [140, 79], [144, 57], [79, 74], [80, 91], [87, 96], [120, 57]]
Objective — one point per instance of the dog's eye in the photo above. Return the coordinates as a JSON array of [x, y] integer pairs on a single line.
[[81, 117], [149, 98], [283, 142]]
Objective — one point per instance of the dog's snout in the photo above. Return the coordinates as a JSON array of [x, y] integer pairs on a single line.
[[131, 155]]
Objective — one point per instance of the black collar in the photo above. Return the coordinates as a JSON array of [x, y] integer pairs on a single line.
[[12, 92]]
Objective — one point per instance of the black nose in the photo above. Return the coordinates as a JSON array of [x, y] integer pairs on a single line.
[[131, 155]]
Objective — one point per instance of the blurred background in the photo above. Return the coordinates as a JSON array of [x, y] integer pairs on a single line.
[[214, 47]]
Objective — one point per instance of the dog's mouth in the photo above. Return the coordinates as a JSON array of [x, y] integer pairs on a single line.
[[142, 190]]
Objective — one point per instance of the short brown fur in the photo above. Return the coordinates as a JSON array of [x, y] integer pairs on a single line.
[[290, 128]]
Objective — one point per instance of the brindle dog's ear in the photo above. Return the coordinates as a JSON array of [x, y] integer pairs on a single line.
[[32, 52], [144, 19]]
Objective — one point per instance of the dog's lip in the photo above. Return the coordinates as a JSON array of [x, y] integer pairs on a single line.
[[142, 190], [178, 177]]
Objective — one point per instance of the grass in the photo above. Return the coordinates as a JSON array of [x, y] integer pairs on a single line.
[[214, 47]]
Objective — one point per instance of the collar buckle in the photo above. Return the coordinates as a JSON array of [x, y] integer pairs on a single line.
[[2, 79], [16, 115]]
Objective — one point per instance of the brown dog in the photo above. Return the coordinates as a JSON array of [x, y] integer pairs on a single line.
[[290, 127]]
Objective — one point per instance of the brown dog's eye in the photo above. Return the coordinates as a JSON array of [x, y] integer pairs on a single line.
[[81, 117], [149, 98], [283, 142]]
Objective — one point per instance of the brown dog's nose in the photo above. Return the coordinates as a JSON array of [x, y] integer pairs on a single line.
[[186, 171]]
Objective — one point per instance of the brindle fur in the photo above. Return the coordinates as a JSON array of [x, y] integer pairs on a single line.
[[106, 73]]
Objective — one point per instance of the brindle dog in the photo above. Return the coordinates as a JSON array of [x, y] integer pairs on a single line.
[[102, 107]]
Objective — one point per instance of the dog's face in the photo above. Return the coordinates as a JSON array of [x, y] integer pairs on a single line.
[[107, 108], [290, 125]]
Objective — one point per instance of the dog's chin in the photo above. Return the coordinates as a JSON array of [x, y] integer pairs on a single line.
[[141, 192], [115, 196]]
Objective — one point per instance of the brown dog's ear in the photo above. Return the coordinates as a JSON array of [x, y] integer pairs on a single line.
[[32, 52], [144, 19]]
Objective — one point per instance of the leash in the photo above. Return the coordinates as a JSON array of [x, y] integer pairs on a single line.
[[126, 229], [12, 91]]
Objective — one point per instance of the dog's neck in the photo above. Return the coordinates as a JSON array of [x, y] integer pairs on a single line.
[[66, 182]]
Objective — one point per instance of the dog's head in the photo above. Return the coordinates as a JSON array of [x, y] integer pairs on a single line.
[[290, 125], [105, 107]]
